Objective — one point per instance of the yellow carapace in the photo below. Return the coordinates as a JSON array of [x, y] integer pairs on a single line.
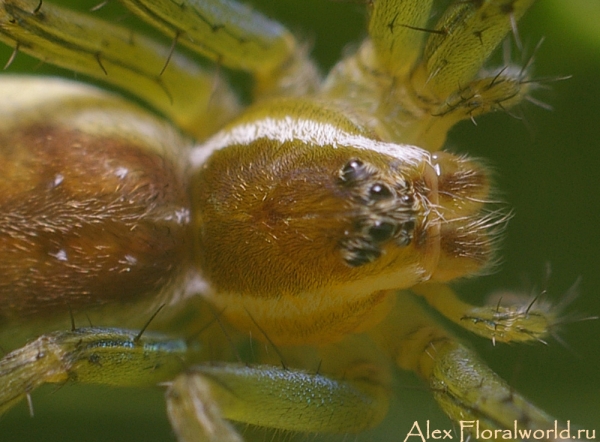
[[322, 221]]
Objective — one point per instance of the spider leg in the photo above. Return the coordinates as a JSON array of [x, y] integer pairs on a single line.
[[414, 79], [269, 396], [175, 85], [237, 37], [90, 355], [526, 321], [468, 391]]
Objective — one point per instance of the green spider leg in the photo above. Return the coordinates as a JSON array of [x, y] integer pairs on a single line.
[[191, 96], [417, 79]]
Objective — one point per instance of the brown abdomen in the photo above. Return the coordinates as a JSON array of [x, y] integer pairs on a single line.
[[85, 220]]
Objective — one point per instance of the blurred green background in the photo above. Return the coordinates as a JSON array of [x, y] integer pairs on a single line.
[[547, 168]]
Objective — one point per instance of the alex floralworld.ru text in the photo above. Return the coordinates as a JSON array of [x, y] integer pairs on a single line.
[[471, 430]]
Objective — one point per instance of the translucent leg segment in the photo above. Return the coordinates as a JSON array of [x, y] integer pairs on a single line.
[[472, 394], [526, 321], [465, 388], [194, 414], [192, 97], [270, 397], [90, 355]]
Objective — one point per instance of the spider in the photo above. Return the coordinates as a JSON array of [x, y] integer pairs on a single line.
[[289, 244]]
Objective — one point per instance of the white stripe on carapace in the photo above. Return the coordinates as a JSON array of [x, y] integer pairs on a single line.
[[305, 130]]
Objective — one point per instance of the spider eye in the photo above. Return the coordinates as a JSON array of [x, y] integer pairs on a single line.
[[405, 234], [353, 171], [407, 199], [382, 231], [361, 254], [380, 191]]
